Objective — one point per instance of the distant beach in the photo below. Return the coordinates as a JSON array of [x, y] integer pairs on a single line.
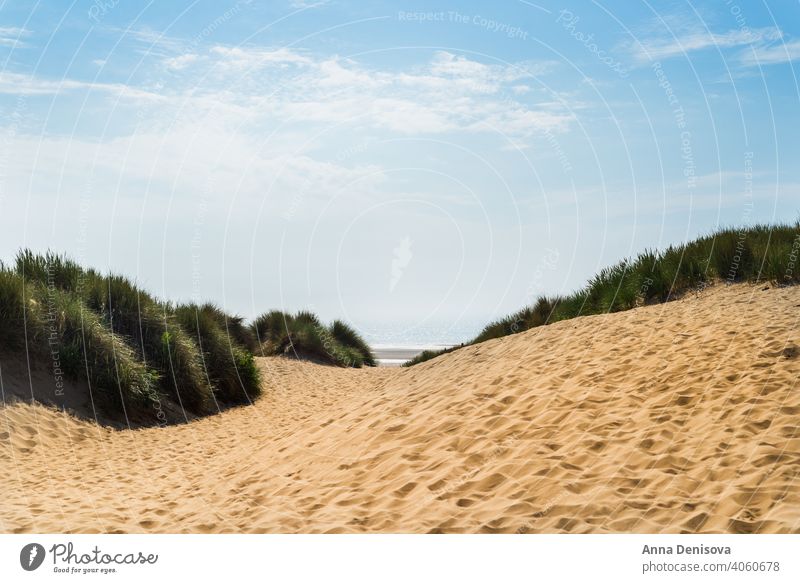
[[388, 355], [395, 343]]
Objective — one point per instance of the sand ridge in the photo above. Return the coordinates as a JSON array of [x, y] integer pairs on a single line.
[[681, 417]]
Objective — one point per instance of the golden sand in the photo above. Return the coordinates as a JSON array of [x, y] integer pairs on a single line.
[[682, 417]]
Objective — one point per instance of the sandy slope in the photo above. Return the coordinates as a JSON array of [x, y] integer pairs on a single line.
[[681, 417]]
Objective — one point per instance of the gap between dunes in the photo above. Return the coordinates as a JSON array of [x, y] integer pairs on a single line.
[[678, 417]]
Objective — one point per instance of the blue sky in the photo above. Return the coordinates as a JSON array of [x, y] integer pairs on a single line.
[[412, 162]]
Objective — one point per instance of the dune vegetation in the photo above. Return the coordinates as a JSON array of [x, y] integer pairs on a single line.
[[135, 351], [132, 349], [757, 253], [303, 335]]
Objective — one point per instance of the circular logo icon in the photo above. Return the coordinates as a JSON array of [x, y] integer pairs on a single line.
[[31, 556]]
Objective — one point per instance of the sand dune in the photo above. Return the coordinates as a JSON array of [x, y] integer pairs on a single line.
[[682, 417]]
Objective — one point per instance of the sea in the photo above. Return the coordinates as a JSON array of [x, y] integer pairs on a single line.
[[394, 343]]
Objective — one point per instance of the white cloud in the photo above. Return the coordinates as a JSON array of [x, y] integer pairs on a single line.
[[525, 122], [338, 73], [154, 43], [181, 61], [683, 42], [11, 36], [307, 3], [268, 123], [771, 55], [180, 163], [448, 64], [18, 84], [245, 58], [759, 46], [448, 93], [256, 86]]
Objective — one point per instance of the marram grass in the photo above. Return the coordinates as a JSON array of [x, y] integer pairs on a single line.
[[757, 253], [136, 352], [133, 350], [303, 335]]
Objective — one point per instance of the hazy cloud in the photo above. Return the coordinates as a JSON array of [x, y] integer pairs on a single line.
[[11, 36], [683, 42], [771, 55]]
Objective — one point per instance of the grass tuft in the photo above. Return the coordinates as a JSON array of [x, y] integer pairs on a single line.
[[229, 365], [305, 336]]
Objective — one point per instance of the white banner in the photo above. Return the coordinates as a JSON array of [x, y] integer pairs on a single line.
[[401, 558]]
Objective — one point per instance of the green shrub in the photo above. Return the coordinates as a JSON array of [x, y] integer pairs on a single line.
[[64, 326], [271, 329], [352, 340], [570, 306], [234, 326], [12, 310], [148, 325], [131, 348], [733, 256], [49, 269], [303, 335], [229, 367]]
